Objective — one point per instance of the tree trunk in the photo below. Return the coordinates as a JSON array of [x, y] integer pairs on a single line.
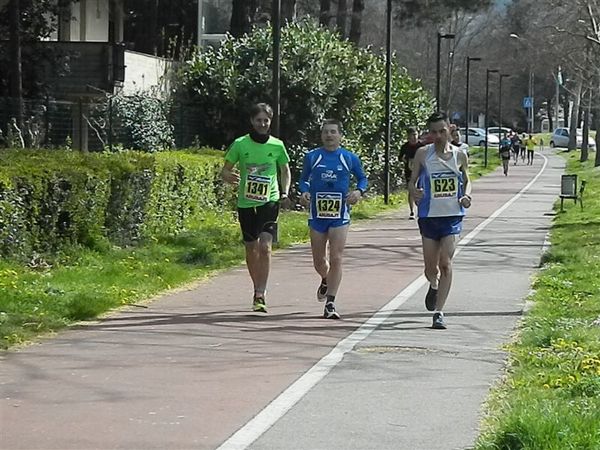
[[342, 14], [288, 10], [325, 13], [575, 116], [358, 6], [596, 123], [586, 128], [16, 74]]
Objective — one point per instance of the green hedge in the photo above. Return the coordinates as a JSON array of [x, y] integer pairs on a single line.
[[52, 199]]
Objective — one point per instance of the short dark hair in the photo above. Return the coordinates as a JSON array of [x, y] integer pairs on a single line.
[[260, 108], [411, 130], [437, 117], [333, 122]]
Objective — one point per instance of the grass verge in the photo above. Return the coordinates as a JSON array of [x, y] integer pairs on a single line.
[[550, 397]]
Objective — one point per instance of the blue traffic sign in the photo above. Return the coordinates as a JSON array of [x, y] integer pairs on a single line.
[[527, 102]]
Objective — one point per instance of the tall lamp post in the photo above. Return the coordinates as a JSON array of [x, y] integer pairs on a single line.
[[469, 59], [276, 67], [440, 36], [388, 103], [530, 87], [502, 75], [487, 109]]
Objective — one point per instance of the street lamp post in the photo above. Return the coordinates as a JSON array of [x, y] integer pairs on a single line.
[[275, 124], [440, 36], [388, 103], [502, 75], [487, 108], [469, 59], [530, 87]]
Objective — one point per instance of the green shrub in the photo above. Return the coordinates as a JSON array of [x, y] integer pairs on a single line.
[[321, 77], [142, 122], [52, 199]]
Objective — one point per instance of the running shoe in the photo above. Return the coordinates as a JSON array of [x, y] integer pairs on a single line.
[[438, 321], [431, 299], [322, 292], [329, 312], [259, 305], [411, 216]]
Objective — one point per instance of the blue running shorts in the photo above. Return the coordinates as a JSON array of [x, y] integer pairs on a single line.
[[323, 225], [438, 227]]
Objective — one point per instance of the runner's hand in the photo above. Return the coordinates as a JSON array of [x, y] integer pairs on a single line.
[[465, 201], [418, 195], [305, 199], [285, 202], [232, 177], [353, 197]]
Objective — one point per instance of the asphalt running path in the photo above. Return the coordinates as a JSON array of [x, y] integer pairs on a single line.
[[195, 367]]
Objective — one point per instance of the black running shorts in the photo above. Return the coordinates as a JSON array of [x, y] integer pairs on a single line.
[[259, 219]]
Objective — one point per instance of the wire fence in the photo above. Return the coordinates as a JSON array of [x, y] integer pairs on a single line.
[[93, 125]]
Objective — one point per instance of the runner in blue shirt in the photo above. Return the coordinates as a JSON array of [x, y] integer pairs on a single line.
[[325, 186]]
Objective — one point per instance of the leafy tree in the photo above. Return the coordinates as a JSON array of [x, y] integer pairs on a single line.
[[321, 77]]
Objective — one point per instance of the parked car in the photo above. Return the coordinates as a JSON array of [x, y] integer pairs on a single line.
[[560, 138], [477, 137], [501, 130]]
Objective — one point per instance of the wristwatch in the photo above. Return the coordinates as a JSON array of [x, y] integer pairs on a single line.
[[282, 196]]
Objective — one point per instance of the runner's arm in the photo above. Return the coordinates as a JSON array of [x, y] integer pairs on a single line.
[[286, 178], [359, 173], [228, 174], [417, 194], [465, 200]]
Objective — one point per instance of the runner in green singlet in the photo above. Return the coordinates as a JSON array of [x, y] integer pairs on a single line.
[[258, 156]]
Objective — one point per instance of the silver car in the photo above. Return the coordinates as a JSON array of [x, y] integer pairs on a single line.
[[560, 138]]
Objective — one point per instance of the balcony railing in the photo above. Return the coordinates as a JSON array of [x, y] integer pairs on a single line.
[[71, 69]]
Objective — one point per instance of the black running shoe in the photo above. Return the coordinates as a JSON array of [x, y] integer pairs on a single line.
[[438, 321], [259, 305], [322, 292], [411, 216], [329, 312], [431, 299]]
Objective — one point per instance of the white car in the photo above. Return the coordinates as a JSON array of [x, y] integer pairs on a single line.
[[477, 137], [501, 130], [560, 138]]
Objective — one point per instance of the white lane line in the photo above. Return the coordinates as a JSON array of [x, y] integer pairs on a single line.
[[275, 410]]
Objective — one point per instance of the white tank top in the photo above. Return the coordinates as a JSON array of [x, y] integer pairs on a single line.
[[442, 184]]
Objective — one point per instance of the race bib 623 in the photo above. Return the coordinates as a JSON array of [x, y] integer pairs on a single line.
[[444, 185]]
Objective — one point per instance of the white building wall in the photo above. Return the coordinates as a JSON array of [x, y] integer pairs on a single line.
[[143, 72]]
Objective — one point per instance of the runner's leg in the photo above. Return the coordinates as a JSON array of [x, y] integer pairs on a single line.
[[431, 256], [447, 247], [337, 242], [263, 263]]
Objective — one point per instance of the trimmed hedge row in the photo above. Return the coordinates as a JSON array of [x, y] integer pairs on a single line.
[[54, 198]]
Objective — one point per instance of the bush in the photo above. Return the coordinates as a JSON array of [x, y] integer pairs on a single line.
[[53, 199], [140, 120], [321, 77]]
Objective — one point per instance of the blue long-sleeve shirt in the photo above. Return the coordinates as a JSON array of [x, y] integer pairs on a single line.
[[330, 172]]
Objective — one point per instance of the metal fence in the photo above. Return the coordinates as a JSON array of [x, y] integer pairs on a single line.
[[87, 124]]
